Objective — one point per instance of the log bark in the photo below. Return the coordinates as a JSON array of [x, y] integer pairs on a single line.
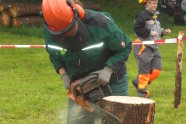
[[33, 20], [130, 110], [178, 79], [25, 10], [5, 18]]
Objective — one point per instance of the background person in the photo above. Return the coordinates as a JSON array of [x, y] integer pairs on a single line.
[[147, 27]]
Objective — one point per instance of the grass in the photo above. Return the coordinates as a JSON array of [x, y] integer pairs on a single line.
[[32, 93]]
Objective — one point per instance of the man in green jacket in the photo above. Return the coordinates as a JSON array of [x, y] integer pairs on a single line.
[[80, 42]]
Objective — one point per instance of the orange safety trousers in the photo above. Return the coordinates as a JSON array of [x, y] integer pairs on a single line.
[[145, 79]]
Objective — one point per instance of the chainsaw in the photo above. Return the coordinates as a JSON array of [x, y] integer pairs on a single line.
[[87, 93]]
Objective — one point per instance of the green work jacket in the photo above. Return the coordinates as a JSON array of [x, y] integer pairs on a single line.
[[107, 46]]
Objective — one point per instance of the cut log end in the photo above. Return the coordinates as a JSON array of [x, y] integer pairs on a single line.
[[129, 100], [6, 19], [15, 22], [130, 110], [1, 7], [13, 11]]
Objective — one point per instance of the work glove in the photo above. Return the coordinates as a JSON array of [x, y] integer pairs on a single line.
[[66, 80], [104, 76]]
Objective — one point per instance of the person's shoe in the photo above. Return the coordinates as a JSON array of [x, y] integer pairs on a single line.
[[135, 83], [149, 82], [143, 93]]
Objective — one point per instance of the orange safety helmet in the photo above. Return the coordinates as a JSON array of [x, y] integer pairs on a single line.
[[60, 15]]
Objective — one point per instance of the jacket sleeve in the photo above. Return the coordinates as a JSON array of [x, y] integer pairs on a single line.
[[120, 44], [139, 26], [54, 55]]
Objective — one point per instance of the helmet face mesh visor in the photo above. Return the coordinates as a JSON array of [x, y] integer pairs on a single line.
[[76, 42], [62, 32]]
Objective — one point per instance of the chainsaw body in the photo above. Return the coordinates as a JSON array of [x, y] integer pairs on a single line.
[[87, 90]]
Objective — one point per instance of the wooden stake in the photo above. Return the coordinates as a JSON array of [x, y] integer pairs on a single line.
[[33, 20], [178, 80], [130, 110]]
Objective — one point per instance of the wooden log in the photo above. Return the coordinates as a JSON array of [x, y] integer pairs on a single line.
[[25, 10], [130, 110], [88, 5], [6, 6], [5, 18], [178, 79], [33, 20]]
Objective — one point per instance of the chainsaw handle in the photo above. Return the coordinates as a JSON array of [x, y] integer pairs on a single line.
[[90, 78], [81, 82]]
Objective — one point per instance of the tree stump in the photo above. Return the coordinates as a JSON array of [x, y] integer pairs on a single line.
[[5, 18], [25, 10], [33, 20], [130, 110]]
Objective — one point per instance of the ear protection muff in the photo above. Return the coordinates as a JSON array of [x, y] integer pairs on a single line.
[[80, 10], [69, 2], [77, 9]]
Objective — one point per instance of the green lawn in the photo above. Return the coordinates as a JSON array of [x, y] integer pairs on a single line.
[[32, 93]]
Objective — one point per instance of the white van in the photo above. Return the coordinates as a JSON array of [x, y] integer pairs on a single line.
[[180, 11]]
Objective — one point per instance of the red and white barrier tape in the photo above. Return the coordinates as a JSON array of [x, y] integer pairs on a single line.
[[22, 46], [162, 41]]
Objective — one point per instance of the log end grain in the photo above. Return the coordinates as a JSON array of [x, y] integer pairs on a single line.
[[6, 19], [129, 100], [1, 7], [13, 11], [15, 22]]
